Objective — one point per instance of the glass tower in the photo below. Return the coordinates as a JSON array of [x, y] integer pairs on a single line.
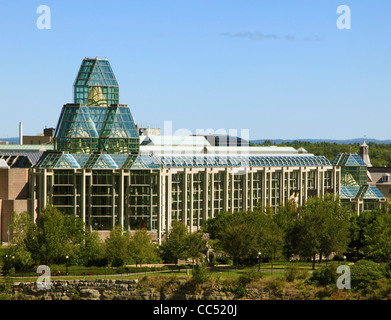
[[96, 122], [95, 84]]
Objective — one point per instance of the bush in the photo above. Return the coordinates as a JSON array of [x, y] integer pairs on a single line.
[[6, 288], [364, 273], [249, 275], [200, 274], [324, 276], [292, 272]]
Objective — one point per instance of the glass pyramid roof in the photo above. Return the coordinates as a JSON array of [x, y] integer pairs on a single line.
[[364, 192], [96, 84], [344, 159], [95, 72]]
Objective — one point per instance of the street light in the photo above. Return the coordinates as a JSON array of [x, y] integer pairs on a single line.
[[67, 257], [259, 261]]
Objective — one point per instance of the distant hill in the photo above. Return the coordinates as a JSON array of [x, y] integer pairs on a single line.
[[13, 140], [347, 141]]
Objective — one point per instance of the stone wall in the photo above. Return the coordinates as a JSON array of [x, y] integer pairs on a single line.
[[99, 289], [104, 289]]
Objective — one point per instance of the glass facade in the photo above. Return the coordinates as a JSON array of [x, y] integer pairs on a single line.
[[354, 189], [84, 129], [95, 84]]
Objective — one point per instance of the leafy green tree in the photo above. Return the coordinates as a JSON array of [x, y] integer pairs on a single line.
[[240, 242], [270, 237], [18, 227], [286, 220], [117, 247], [377, 235], [196, 244], [141, 249], [215, 227], [243, 234], [175, 245], [93, 251], [323, 227], [47, 239], [357, 227]]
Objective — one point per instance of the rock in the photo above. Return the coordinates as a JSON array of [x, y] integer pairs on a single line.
[[89, 294]]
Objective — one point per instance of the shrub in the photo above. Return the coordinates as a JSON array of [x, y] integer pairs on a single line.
[[292, 272], [324, 276], [200, 274], [249, 275], [364, 273]]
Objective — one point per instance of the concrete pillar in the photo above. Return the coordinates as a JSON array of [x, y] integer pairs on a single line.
[[83, 197], [251, 207], [121, 200], [212, 194], [305, 185], [160, 208], [264, 188], [301, 186], [44, 189], [184, 196], [226, 189], [245, 190], [113, 198], [168, 189], [191, 201], [206, 195]]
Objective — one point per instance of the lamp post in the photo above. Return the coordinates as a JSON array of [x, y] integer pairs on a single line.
[[259, 261], [67, 258]]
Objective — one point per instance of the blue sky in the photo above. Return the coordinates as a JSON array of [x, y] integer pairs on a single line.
[[279, 69]]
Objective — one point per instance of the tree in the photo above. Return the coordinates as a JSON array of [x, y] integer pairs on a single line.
[[93, 251], [18, 228], [239, 241], [323, 227], [47, 239], [196, 244], [270, 238], [243, 234], [286, 219], [141, 249], [117, 247], [377, 235], [175, 245], [357, 227]]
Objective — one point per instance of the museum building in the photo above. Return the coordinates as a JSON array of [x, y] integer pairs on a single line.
[[102, 171], [108, 172]]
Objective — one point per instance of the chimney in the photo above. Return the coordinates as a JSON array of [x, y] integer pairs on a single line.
[[20, 133]]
